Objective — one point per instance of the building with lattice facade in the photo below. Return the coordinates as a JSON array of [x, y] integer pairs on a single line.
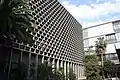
[[58, 39]]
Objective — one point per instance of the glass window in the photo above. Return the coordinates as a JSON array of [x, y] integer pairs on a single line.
[[110, 38], [116, 26], [118, 36], [86, 43], [117, 45], [113, 57], [107, 57], [110, 48], [85, 33]]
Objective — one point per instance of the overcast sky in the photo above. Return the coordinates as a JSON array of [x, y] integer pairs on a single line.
[[92, 12]]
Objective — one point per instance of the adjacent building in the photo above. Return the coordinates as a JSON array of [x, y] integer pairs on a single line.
[[111, 33], [58, 39]]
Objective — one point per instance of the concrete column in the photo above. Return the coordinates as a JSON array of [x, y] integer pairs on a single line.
[[43, 59], [48, 60], [36, 66], [68, 69], [78, 70], [29, 65], [58, 64], [61, 64], [68, 65], [21, 55], [36, 60], [65, 69], [53, 62], [77, 75], [83, 72], [73, 67]]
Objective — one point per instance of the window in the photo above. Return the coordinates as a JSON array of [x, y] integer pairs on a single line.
[[116, 26], [86, 43], [113, 57], [110, 38], [117, 36], [85, 33]]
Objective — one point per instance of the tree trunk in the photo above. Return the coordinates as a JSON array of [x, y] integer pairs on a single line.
[[102, 65], [108, 76]]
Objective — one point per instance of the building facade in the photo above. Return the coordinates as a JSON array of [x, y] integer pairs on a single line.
[[58, 39], [111, 33]]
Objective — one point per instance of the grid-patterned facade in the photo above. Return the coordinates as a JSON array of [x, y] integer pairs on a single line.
[[58, 38]]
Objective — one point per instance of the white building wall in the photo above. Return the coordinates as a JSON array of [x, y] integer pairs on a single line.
[[100, 30]]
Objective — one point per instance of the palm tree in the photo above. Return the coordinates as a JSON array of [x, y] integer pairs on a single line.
[[100, 49], [16, 20], [45, 72], [110, 69], [19, 73], [89, 51], [71, 75], [59, 74]]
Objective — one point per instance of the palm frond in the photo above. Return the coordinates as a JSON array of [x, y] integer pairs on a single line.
[[1, 2], [17, 19], [15, 4]]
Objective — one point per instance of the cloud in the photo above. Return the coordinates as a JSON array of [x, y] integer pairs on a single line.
[[93, 11], [88, 24]]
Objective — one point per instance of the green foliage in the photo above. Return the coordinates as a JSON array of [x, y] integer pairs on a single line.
[[16, 20], [71, 75], [100, 45], [19, 73], [92, 68], [45, 72], [100, 48], [89, 51], [59, 74], [110, 68]]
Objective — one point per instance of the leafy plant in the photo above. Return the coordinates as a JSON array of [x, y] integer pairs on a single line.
[[16, 20], [59, 74], [100, 48], [15, 23], [100, 45], [71, 74], [110, 69], [45, 72], [19, 73], [92, 68]]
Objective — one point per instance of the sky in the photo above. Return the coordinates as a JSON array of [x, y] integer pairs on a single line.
[[93, 12]]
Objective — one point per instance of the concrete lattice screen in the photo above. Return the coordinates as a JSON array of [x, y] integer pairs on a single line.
[[58, 39]]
